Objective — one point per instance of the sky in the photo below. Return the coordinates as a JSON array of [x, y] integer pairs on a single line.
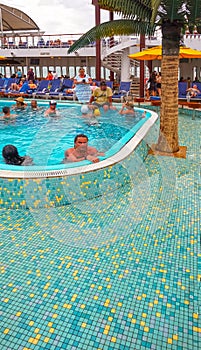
[[60, 16]]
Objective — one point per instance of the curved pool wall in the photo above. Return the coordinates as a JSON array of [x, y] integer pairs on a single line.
[[50, 188]]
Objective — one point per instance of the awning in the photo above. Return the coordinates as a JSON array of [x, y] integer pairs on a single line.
[[155, 53], [12, 19], [8, 61]]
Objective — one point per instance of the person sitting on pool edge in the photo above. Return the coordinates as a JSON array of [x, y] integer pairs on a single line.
[[102, 97], [82, 151], [12, 157], [51, 111], [20, 104]]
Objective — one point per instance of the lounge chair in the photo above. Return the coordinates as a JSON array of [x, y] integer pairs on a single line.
[[62, 92], [182, 87], [23, 91], [124, 89], [56, 85], [109, 84], [42, 89]]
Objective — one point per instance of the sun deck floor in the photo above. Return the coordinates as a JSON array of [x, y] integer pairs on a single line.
[[113, 272]]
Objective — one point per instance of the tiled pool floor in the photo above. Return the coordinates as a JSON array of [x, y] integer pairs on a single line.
[[115, 272]]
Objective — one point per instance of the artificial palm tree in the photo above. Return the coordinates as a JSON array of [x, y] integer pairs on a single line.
[[143, 17]]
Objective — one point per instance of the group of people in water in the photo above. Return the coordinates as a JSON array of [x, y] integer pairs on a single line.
[[100, 99]]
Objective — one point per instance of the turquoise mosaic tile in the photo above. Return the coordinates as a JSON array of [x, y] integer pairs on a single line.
[[51, 192], [114, 269]]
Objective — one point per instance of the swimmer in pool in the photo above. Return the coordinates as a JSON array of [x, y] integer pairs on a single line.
[[12, 157], [81, 151], [34, 106], [90, 113], [127, 108], [20, 104], [6, 114], [86, 111], [51, 111]]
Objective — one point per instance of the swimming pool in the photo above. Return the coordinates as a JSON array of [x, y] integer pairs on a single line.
[[62, 184], [110, 272], [46, 139]]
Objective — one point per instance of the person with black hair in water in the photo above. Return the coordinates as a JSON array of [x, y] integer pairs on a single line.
[[12, 157]]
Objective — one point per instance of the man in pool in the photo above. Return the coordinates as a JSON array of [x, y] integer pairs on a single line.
[[34, 105], [82, 151], [6, 114], [51, 111]]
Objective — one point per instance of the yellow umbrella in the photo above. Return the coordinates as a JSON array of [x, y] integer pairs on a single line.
[[155, 53], [3, 58]]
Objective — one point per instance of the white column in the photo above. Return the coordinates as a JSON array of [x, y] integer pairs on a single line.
[[125, 65]]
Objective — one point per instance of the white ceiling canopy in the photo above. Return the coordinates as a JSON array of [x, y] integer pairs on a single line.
[[12, 19]]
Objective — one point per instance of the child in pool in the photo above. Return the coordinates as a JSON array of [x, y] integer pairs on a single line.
[[127, 108], [89, 111]]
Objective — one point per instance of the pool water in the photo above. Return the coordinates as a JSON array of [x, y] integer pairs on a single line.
[[45, 139]]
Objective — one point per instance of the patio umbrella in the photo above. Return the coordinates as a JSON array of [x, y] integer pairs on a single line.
[[155, 53], [2, 58]]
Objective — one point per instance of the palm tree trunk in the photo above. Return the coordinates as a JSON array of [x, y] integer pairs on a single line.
[[168, 137]]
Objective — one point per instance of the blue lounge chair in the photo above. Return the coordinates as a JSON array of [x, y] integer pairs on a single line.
[[2, 84], [182, 87], [55, 88], [155, 98], [9, 82], [67, 84], [109, 84], [124, 89], [42, 89]]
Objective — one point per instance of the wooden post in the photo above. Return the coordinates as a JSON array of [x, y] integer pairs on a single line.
[[98, 46], [111, 45], [142, 46]]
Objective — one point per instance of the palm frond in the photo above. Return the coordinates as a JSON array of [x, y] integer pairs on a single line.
[[108, 29], [155, 5], [176, 10], [194, 8], [128, 8]]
